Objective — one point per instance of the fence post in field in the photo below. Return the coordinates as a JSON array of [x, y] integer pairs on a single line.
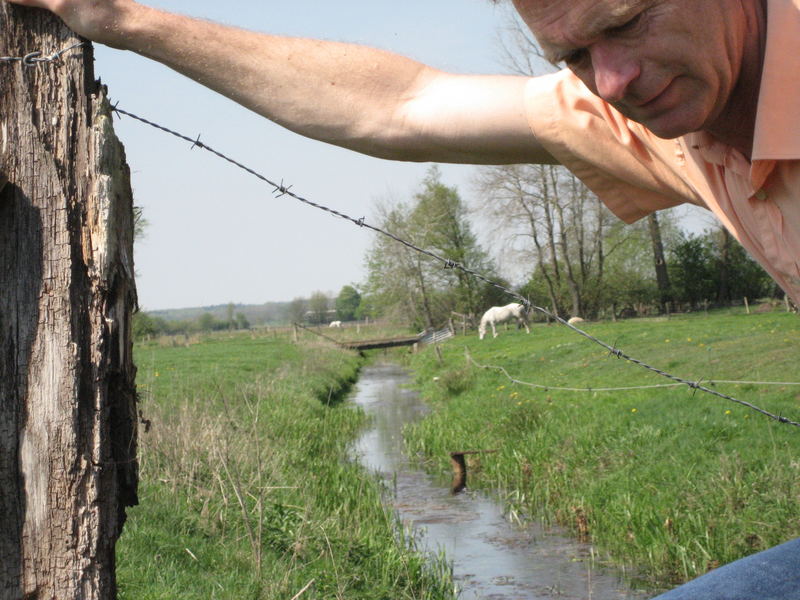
[[67, 394], [746, 305]]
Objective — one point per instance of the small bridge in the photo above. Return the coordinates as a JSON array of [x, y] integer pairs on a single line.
[[426, 337], [385, 343]]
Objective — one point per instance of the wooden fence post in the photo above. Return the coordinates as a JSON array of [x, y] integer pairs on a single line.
[[67, 394]]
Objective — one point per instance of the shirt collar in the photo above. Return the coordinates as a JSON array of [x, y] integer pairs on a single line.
[[777, 131]]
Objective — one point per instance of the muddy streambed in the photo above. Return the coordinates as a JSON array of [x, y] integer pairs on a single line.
[[491, 557]]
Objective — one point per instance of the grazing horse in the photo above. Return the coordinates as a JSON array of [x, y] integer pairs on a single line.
[[501, 314], [335, 324]]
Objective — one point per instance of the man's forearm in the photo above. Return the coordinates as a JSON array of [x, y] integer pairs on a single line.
[[341, 93], [357, 97]]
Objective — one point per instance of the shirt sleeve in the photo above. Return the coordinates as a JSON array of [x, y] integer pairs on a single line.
[[631, 170]]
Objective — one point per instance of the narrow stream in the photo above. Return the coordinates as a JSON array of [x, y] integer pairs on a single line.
[[492, 558]]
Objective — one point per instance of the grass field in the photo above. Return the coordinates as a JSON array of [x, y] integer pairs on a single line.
[[670, 481], [246, 491]]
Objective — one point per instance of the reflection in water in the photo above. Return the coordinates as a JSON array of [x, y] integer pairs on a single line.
[[491, 557]]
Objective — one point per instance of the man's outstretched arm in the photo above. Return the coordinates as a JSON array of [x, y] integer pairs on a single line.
[[357, 97]]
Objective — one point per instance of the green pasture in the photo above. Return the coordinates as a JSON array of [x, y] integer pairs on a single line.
[[669, 481], [246, 490]]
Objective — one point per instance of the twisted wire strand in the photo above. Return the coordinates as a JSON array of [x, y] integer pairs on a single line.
[[542, 386], [33, 58], [280, 189]]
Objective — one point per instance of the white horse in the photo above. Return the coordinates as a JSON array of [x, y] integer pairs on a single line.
[[336, 324], [501, 314]]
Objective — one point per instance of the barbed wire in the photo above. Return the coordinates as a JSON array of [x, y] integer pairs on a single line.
[[280, 189], [33, 58], [542, 386]]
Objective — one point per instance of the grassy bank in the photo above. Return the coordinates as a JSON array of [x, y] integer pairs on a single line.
[[245, 487], [667, 480]]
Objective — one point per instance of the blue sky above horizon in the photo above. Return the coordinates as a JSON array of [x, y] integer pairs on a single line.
[[218, 235]]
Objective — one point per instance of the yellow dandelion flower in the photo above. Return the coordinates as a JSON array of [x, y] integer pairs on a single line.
[[501, 388], [634, 410], [727, 412]]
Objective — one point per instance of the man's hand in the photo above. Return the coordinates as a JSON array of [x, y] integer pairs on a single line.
[[360, 98], [98, 20]]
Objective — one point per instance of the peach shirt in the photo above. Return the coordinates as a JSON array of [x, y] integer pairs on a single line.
[[635, 173]]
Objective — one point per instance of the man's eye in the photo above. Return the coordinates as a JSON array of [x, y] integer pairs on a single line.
[[627, 26]]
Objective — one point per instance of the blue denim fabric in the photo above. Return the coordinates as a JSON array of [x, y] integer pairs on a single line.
[[773, 574]]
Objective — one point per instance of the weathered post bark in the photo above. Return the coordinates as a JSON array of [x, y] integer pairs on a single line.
[[67, 398]]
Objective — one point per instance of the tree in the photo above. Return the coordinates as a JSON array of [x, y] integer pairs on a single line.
[[296, 310], [67, 397], [140, 223], [229, 315], [441, 218], [347, 303], [318, 305], [207, 322], [405, 283], [242, 321], [546, 216], [713, 266], [397, 277], [143, 326], [660, 262]]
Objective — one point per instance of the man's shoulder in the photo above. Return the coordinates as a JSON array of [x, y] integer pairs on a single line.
[[560, 105]]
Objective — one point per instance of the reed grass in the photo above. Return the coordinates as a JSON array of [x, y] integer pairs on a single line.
[[667, 481], [246, 487]]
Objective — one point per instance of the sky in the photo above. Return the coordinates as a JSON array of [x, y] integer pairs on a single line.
[[217, 235]]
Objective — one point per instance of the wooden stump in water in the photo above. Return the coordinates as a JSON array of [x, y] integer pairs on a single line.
[[460, 468]]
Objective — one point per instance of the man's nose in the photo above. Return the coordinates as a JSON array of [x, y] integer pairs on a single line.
[[614, 70]]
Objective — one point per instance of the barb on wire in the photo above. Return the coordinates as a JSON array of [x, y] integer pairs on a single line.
[[286, 191], [31, 59]]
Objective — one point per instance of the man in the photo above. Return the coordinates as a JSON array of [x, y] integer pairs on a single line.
[[663, 102]]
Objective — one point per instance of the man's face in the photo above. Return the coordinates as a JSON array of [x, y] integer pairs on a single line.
[[668, 64]]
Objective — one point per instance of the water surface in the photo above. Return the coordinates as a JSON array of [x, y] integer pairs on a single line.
[[492, 558]]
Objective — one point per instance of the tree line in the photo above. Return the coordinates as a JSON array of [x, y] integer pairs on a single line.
[[578, 259], [570, 253]]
